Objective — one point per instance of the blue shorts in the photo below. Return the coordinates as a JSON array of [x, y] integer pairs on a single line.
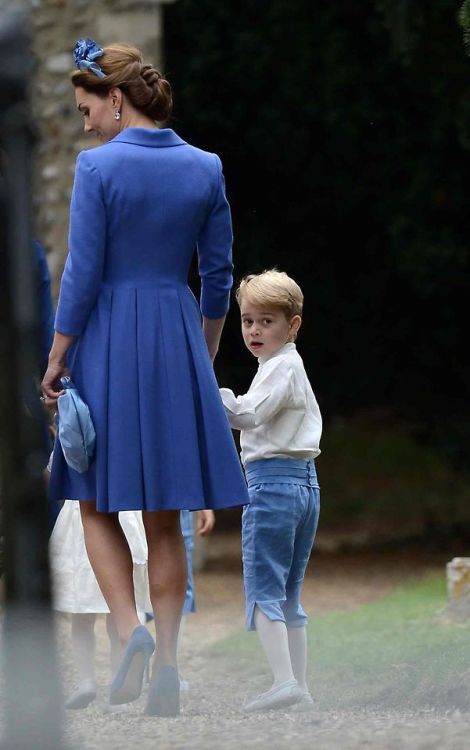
[[278, 530], [187, 529]]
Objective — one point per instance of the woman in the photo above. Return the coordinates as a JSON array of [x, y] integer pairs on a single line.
[[129, 330]]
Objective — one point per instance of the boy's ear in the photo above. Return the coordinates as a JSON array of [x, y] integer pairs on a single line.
[[295, 324]]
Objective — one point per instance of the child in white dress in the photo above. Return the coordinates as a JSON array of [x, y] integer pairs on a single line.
[[76, 592]]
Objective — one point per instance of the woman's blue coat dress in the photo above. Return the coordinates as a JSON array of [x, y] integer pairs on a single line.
[[141, 204]]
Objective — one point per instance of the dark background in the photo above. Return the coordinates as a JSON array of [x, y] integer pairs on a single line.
[[344, 131]]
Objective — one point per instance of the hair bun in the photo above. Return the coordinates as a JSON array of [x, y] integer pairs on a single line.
[[150, 75], [160, 100], [146, 88]]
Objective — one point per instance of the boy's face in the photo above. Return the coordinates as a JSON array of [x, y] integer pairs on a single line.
[[265, 330]]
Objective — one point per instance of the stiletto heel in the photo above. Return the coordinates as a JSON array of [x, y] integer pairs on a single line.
[[127, 684], [164, 693]]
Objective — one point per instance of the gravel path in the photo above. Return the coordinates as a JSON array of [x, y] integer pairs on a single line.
[[211, 716]]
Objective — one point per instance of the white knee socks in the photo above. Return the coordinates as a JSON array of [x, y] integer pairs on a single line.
[[273, 637], [83, 646], [298, 655], [285, 648]]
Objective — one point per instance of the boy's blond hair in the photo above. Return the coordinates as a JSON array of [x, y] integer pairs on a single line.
[[272, 289]]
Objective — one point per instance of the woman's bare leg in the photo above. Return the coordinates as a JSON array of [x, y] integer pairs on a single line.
[[167, 579], [111, 560]]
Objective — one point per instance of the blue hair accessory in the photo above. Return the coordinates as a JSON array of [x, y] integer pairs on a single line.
[[85, 52]]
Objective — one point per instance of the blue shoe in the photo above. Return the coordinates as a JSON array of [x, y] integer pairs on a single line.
[[127, 684], [164, 693]]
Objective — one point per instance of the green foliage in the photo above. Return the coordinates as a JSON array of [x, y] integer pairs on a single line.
[[378, 479], [395, 652], [464, 19], [344, 130]]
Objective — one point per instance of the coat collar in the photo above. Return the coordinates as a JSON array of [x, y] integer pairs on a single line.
[[161, 138]]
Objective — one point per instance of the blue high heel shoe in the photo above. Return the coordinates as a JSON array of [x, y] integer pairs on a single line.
[[127, 684], [164, 693]]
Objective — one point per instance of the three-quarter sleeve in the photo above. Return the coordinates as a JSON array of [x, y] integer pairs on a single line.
[[263, 401], [87, 241], [214, 249]]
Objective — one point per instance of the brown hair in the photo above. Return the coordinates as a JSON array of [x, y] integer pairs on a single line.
[[144, 86]]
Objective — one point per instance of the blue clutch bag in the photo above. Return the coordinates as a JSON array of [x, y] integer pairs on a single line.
[[75, 430]]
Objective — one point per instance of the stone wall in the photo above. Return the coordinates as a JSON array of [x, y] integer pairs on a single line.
[[56, 25], [458, 590]]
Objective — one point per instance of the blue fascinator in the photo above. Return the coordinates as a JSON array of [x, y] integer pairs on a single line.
[[85, 52]]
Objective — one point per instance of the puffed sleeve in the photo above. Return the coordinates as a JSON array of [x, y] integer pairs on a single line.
[[214, 249], [87, 241], [264, 400]]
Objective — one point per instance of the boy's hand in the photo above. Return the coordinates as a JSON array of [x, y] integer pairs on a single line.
[[205, 522]]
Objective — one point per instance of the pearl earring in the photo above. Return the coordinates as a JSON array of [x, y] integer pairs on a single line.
[[117, 115]]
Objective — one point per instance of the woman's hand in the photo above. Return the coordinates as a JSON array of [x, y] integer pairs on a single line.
[[205, 522], [56, 369], [50, 386]]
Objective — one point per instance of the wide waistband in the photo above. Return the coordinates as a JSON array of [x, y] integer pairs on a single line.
[[281, 471]]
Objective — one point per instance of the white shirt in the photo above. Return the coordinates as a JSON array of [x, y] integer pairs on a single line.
[[279, 416]]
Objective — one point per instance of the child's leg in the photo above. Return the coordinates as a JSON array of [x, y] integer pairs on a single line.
[[267, 555], [298, 655], [273, 635], [83, 651], [184, 684], [181, 630], [115, 649], [189, 606], [83, 645], [295, 615], [278, 528], [187, 530]]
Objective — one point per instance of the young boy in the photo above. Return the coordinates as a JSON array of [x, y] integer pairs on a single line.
[[280, 426]]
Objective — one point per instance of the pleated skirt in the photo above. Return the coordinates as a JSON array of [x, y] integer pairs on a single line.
[[162, 438]]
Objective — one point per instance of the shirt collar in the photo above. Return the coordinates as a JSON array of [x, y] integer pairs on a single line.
[[158, 138], [289, 347]]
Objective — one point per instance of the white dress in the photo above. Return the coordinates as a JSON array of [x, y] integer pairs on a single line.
[[74, 586]]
